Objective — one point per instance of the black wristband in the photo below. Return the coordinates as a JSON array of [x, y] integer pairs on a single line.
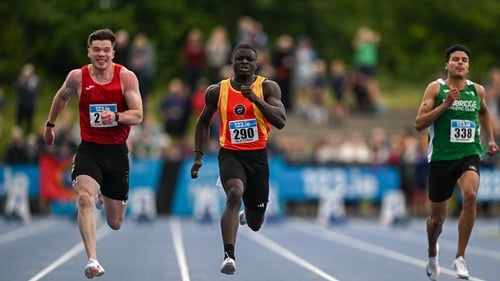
[[50, 125], [199, 151], [117, 117]]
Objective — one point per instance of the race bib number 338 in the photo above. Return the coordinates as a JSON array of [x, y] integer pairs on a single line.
[[462, 131], [96, 110]]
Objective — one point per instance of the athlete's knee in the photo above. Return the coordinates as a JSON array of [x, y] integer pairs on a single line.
[[234, 195], [435, 221], [469, 198], [85, 200], [115, 224], [255, 222], [255, 226]]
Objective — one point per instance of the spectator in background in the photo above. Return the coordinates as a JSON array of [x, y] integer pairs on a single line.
[[217, 53], [282, 61], [303, 74], [193, 52], [245, 31], [354, 149], [339, 82], [27, 88], [122, 47], [142, 59], [380, 146], [366, 62], [492, 88], [327, 150], [175, 109], [148, 140], [318, 112], [16, 152], [197, 104]]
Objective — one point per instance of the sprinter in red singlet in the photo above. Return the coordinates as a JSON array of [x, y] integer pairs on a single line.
[[109, 103], [248, 104]]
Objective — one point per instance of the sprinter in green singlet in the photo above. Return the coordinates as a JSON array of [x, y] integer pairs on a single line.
[[454, 111]]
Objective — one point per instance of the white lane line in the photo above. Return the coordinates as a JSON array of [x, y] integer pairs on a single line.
[[373, 249], [416, 238], [102, 232], [25, 231], [179, 248], [273, 246]]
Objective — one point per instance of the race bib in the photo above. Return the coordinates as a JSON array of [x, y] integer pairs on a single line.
[[95, 111], [462, 131], [243, 131]]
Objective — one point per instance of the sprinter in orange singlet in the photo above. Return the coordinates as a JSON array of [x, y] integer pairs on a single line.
[[248, 105]]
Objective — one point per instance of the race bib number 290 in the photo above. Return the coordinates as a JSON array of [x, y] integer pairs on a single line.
[[96, 110], [462, 131], [243, 131]]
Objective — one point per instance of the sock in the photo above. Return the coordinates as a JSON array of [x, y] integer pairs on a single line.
[[229, 251], [432, 259]]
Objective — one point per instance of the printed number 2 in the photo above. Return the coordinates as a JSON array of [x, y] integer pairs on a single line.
[[97, 118]]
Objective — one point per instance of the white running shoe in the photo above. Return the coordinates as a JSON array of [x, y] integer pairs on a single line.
[[432, 269], [460, 267], [228, 266], [93, 269], [243, 218]]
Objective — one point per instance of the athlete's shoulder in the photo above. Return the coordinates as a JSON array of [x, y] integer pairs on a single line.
[[74, 78]]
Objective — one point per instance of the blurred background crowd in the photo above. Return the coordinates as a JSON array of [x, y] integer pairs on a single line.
[[319, 94]]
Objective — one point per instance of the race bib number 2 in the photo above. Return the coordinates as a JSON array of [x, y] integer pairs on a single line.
[[462, 131], [243, 131], [95, 111]]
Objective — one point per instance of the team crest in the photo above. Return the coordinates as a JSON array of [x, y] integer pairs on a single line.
[[239, 109]]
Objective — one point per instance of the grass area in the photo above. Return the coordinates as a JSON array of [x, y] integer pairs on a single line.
[[402, 99]]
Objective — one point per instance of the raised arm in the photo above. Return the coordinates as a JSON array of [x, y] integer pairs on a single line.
[[427, 113], [271, 106]]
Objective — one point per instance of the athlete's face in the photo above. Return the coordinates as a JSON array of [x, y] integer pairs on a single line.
[[244, 62], [101, 53], [458, 65]]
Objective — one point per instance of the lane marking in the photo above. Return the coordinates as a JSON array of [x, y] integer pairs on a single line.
[[280, 250], [412, 236], [29, 230], [372, 248], [101, 233], [180, 253]]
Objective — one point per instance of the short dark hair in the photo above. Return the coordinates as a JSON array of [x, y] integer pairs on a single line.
[[245, 46], [454, 48], [102, 34]]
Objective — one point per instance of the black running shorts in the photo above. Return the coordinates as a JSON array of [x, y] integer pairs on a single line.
[[108, 164], [443, 176], [252, 168]]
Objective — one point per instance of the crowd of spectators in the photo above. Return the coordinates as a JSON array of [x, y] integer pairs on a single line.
[[312, 88]]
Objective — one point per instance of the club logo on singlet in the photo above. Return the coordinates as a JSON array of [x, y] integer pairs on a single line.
[[239, 109]]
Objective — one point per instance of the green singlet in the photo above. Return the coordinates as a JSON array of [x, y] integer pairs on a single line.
[[455, 134]]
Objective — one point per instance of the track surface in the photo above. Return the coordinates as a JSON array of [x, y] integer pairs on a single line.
[[171, 248]]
